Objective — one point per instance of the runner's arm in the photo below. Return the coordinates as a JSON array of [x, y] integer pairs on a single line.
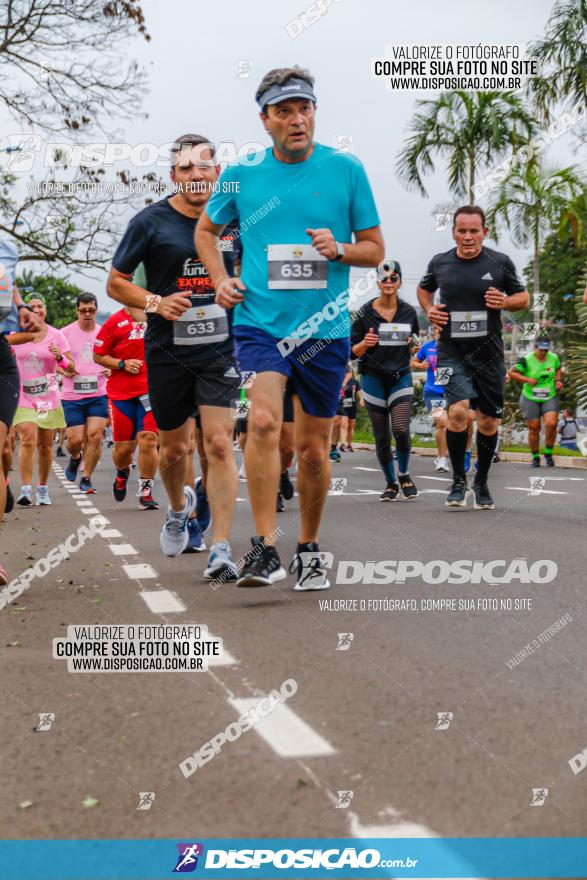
[[19, 338], [516, 302], [417, 364], [519, 377], [111, 363], [120, 287]]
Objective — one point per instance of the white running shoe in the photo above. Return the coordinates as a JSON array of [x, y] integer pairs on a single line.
[[220, 563], [25, 499], [43, 498], [175, 534], [442, 464], [310, 570]]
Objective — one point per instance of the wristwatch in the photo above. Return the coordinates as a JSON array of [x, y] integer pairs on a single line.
[[339, 252], [121, 365], [152, 303]]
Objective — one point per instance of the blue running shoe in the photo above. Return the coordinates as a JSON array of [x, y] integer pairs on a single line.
[[72, 468], [203, 514], [196, 543]]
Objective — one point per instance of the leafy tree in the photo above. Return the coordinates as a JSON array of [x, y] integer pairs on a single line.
[[562, 54], [529, 203], [577, 348], [470, 130], [64, 71]]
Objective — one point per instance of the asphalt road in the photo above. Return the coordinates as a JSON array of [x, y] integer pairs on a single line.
[[364, 717]]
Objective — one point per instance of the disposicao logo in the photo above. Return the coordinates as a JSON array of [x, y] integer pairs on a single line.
[[187, 860]]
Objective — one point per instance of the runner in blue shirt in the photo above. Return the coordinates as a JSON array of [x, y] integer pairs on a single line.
[[300, 206]]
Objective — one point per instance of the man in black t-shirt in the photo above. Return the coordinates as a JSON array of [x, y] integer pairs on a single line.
[[188, 347], [473, 284]]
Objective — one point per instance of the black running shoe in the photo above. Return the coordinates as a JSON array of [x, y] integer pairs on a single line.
[[549, 459], [60, 452], [120, 484], [280, 506], [72, 468], [262, 566], [309, 566], [286, 486], [9, 499], [408, 488], [457, 497], [483, 499], [390, 493], [535, 461]]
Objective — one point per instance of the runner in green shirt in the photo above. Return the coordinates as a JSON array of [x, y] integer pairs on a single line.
[[540, 372]]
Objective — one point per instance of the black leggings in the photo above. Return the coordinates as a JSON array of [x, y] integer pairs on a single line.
[[9, 383], [389, 404]]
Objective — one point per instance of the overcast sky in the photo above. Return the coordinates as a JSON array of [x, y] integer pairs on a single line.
[[192, 63]]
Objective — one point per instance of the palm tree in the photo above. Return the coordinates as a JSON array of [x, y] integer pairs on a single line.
[[562, 54], [469, 129], [530, 203], [577, 349]]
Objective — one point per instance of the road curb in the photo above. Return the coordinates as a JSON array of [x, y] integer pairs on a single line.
[[562, 461]]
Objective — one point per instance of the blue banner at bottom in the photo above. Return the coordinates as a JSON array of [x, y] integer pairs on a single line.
[[372, 858]]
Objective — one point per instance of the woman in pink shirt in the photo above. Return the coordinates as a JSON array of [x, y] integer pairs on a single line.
[[39, 410]]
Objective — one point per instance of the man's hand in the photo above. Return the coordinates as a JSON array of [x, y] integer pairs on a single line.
[[28, 321], [172, 307], [559, 385], [437, 316], [324, 242], [494, 298], [228, 292], [133, 366], [532, 381]]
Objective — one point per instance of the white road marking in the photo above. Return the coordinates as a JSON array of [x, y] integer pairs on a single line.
[[225, 658], [285, 732], [397, 830], [565, 479], [392, 829], [84, 503], [140, 570], [528, 490], [111, 533], [440, 479], [162, 601], [359, 468], [90, 510], [123, 549]]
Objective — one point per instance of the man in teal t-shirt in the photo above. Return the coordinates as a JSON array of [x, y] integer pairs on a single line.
[[540, 372], [300, 205]]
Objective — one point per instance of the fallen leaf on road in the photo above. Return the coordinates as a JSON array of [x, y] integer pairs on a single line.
[[24, 805], [90, 801], [12, 644]]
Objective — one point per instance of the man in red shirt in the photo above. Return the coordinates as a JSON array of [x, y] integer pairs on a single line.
[[120, 348]]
